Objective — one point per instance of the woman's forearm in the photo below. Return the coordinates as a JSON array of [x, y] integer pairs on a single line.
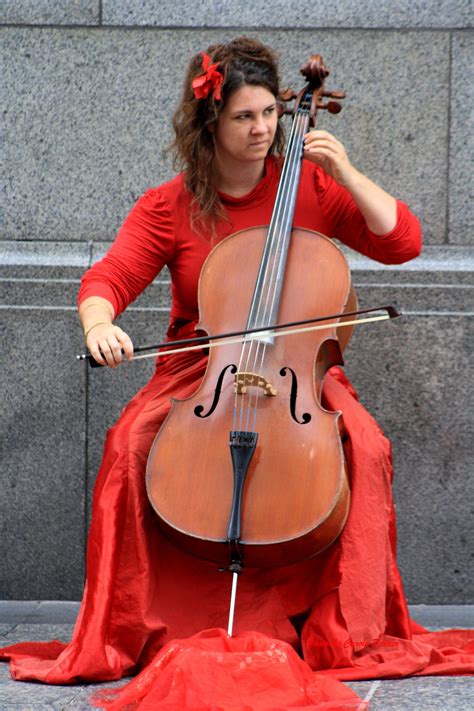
[[95, 310], [377, 206]]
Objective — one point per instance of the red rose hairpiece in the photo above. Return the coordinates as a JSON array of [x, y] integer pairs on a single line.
[[211, 80]]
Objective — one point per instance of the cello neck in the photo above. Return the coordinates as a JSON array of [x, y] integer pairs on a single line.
[[266, 297]]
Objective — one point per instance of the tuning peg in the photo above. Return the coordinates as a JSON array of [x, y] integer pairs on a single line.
[[334, 94], [332, 106]]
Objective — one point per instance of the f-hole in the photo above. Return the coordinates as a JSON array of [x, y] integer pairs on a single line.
[[305, 417], [199, 409]]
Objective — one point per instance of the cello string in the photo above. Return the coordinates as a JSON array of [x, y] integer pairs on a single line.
[[284, 214], [271, 279], [283, 225], [246, 402], [273, 230]]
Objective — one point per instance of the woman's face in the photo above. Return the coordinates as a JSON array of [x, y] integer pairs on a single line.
[[247, 125]]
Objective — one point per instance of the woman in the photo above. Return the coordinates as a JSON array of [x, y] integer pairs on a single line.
[[346, 608]]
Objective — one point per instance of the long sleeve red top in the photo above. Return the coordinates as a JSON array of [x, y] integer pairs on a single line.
[[157, 232]]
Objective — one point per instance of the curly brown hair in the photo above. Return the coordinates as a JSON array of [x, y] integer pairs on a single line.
[[244, 61]]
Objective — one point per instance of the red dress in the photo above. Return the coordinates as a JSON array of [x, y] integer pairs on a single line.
[[345, 609]]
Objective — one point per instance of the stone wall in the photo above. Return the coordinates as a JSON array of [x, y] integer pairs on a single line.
[[87, 92]]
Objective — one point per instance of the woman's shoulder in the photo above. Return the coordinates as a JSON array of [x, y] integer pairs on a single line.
[[164, 197]]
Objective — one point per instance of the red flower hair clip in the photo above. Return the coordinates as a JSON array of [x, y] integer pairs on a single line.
[[211, 80]]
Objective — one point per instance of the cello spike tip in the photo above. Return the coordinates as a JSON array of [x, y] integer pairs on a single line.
[[230, 626]]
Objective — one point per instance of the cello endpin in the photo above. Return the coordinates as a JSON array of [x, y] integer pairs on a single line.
[[235, 577]]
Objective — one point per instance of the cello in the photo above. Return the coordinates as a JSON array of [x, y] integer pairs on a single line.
[[250, 470]]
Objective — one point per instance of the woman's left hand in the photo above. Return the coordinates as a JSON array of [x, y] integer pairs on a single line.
[[325, 150]]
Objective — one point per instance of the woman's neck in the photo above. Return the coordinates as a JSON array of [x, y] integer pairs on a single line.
[[238, 180]]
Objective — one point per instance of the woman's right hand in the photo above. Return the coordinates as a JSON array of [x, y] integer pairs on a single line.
[[105, 343]]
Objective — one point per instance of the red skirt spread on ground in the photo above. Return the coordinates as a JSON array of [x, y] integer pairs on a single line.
[[149, 606]]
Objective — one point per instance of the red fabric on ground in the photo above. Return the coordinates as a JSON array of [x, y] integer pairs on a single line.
[[250, 672]]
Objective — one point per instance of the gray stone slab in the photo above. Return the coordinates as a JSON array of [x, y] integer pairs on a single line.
[[440, 280], [423, 694], [443, 616], [106, 98], [42, 273], [433, 260], [50, 12], [39, 632], [278, 13], [38, 611], [44, 254], [437, 268], [43, 260], [39, 292], [18, 610], [83, 101], [5, 629], [416, 388], [461, 152], [412, 278], [37, 697], [57, 612], [43, 463], [411, 299]]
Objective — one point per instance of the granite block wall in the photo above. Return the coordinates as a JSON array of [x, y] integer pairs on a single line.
[[87, 92]]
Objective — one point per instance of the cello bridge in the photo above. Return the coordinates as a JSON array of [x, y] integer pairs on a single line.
[[244, 380]]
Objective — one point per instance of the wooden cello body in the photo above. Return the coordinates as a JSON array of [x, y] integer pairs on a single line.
[[251, 467], [296, 496]]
